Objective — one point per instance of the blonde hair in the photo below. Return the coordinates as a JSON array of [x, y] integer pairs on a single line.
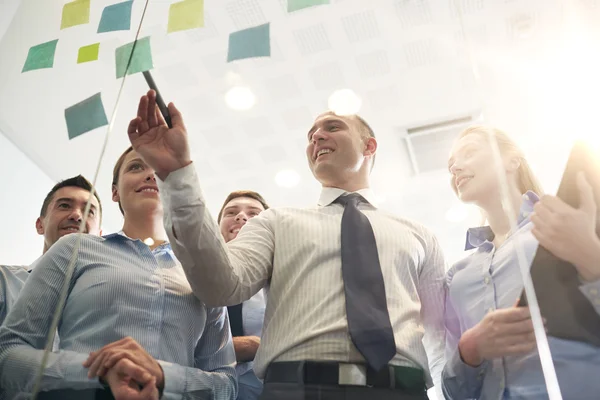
[[526, 179]]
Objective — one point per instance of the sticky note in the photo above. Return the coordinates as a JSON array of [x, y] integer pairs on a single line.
[[85, 116], [40, 56], [295, 5], [75, 13], [116, 17], [248, 43], [141, 60], [187, 14], [88, 53]]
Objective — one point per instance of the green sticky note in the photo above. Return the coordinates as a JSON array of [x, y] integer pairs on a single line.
[[295, 5], [88, 53], [116, 17], [85, 116], [40, 56], [141, 60], [75, 13], [187, 14], [249, 43]]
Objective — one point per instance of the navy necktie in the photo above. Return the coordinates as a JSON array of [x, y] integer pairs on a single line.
[[366, 306]]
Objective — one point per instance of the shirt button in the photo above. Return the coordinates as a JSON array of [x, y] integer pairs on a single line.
[[486, 280]]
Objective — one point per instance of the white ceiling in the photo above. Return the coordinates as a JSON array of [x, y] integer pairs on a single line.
[[406, 59]]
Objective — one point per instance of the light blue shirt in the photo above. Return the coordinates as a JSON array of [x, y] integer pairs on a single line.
[[490, 279], [12, 280], [253, 315], [119, 288]]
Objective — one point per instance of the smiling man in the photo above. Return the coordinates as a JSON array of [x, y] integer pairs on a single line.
[[355, 295], [61, 214]]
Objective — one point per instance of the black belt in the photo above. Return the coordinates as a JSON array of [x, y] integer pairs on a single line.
[[71, 394], [406, 379]]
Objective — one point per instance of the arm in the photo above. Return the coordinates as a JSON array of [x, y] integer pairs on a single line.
[[219, 274], [214, 374], [431, 293], [24, 333], [459, 380], [246, 347]]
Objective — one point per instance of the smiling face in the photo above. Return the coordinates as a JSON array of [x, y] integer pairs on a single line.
[[473, 175], [65, 213], [338, 150], [236, 213], [136, 189]]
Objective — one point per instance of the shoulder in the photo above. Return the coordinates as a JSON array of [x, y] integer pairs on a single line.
[[12, 272]]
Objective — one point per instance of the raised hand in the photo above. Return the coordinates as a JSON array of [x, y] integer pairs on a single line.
[[164, 150]]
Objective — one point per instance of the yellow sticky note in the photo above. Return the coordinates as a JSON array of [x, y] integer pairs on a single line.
[[187, 14], [75, 13], [88, 53]]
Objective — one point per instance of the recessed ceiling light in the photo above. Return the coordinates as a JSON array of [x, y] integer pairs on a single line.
[[287, 178], [240, 98], [457, 213], [344, 102]]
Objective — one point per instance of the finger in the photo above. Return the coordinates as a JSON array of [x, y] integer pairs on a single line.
[[520, 348], [95, 366], [513, 314], [150, 391], [176, 117], [151, 110], [143, 108], [543, 212], [540, 223], [159, 117], [133, 125], [129, 368], [113, 358], [554, 204], [541, 237], [518, 328], [586, 195]]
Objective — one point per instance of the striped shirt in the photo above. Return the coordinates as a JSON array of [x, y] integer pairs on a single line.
[[297, 253], [119, 288], [12, 280]]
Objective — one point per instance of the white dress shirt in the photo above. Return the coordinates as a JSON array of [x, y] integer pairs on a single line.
[[296, 253]]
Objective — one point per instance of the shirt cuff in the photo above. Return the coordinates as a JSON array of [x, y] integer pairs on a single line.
[[467, 380], [592, 292], [76, 373], [179, 187], [174, 379]]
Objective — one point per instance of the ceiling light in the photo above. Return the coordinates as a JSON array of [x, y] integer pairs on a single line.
[[287, 178], [344, 102], [148, 241], [240, 98], [457, 213]]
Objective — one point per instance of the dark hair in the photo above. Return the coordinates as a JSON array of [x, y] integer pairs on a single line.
[[242, 193], [117, 170], [365, 128], [76, 181]]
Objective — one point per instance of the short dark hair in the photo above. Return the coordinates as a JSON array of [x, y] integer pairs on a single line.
[[242, 193], [365, 128], [77, 181], [117, 171]]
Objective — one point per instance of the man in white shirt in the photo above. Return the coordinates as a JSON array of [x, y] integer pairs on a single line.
[[308, 347], [61, 214]]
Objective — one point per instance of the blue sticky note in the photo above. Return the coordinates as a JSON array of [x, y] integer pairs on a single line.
[[40, 56], [141, 60], [116, 17], [85, 116], [249, 43]]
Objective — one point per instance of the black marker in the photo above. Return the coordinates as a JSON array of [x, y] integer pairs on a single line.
[[159, 100]]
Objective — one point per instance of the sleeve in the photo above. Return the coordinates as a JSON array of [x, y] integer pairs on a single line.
[[459, 380], [219, 274], [214, 374], [24, 333], [431, 293], [591, 291]]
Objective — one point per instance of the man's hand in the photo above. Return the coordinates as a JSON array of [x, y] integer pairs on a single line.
[[245, 347], [500, 333], [125, 380], [163, 149], [570, 233], [101, 361]]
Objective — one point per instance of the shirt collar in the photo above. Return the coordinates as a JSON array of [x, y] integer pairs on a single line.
[[330, 194], [482, 234], [122, 234]]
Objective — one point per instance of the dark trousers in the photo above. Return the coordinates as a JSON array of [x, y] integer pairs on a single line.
[[70, 394], [295, 391]]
